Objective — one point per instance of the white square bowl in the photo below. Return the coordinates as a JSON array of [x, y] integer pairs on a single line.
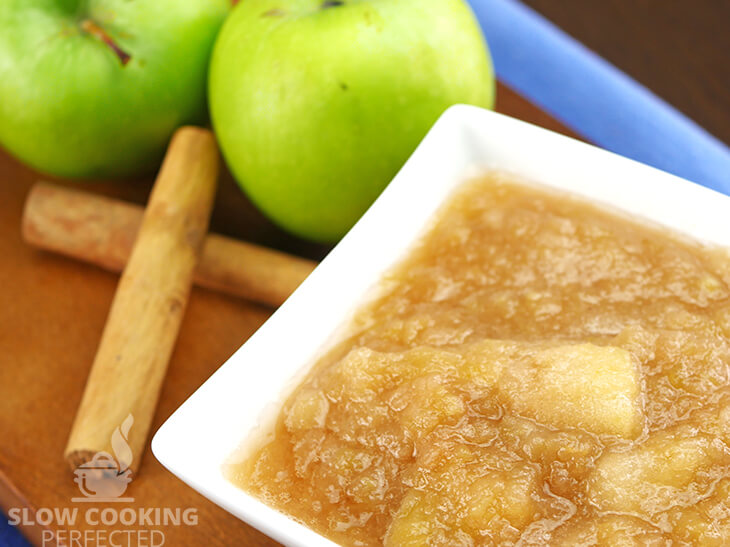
[[249, 388]]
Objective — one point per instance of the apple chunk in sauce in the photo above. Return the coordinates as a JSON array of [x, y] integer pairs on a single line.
[[537, 370]]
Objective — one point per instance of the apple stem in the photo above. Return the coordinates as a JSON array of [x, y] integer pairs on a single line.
[[95, 30]]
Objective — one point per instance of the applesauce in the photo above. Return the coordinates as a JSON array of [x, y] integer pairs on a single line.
[[537, 371]]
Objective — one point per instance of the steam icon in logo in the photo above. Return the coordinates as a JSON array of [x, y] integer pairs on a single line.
[[105, 478]]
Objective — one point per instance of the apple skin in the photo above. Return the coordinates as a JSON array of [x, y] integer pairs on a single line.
[[316, 105], [70, 107]]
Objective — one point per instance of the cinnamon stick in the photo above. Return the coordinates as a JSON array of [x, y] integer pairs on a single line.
[[148, 307], [102, 230]]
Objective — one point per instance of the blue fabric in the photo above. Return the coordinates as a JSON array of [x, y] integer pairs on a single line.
[[594, 98], [9, 535]]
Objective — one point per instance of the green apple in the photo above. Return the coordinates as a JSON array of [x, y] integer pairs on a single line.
[[318, 103], [96, 87]]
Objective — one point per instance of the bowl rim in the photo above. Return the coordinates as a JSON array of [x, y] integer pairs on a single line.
[[202, 434]]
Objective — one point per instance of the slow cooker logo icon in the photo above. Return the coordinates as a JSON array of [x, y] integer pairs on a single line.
[[105, 477]]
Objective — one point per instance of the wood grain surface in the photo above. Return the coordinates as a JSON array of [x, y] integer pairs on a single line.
[[52, 309], [680, 49]]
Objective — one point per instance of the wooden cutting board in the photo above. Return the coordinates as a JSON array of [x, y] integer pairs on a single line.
[[52, 310]]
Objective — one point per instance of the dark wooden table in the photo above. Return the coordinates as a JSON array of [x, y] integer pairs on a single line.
[[52, 309], [680, 49]]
